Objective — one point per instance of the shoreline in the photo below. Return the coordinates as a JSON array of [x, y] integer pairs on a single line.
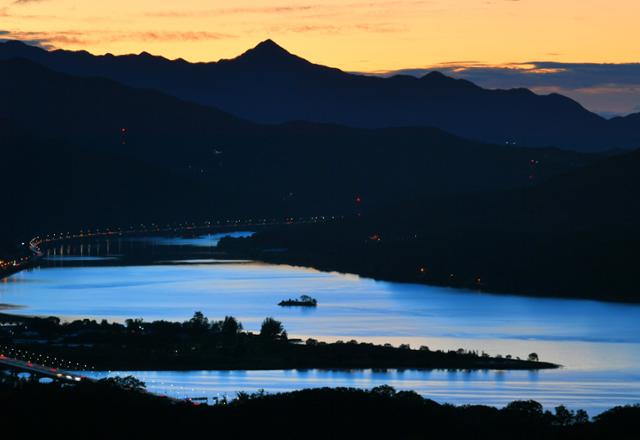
[[10, 307], [263, 257], [291, 260], [200, 344]]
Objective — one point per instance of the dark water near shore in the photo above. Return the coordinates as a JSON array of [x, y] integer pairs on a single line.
[[597, 342]]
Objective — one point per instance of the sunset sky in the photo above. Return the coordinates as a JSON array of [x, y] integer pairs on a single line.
[[367, 36]]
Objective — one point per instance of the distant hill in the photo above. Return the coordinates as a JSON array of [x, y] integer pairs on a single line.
[[574, 235], [290, 169], [268, 84], [52, 186]]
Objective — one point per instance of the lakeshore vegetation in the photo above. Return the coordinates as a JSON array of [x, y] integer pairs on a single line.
[[201, 344], [120, 408]]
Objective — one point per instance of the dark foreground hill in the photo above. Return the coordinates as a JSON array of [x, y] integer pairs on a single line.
[[268, 84], [574, 235], [105, 411], [238, 167]]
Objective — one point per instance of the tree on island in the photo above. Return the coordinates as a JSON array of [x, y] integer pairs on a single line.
[[271, 328], [198, 322], [528, 408], [134, 325], [230, 326], [303, 301], [533, 357]]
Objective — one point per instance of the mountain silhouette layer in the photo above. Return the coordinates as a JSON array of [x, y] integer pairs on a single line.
[[268, 84], [253, 169]]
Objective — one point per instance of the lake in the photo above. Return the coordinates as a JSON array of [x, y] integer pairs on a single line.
[[598, 343]]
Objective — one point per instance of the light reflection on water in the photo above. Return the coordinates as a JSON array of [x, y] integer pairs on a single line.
[[598, 343], [594, 392], [78, 258], [574, 333], [208, 240]]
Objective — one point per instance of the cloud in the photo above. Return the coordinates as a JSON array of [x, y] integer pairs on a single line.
[[535, 73], [9, 13], [31, 38], [232, 11], [46, 40], [169, 36], [604, 88], [25, 2], [382, 28], [53, 40], [282, 9]]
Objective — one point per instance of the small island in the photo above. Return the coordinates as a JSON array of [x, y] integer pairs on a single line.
[[303, 301]]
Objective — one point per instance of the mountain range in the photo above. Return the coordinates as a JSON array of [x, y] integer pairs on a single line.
[[254, 169], [267, 84], [92, 149]]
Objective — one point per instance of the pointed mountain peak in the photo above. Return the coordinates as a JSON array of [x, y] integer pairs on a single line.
[[267, 51], [269, 48]]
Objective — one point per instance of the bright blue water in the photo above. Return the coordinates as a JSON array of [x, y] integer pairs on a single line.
[[597, 342], [208, 240], [592, 391]]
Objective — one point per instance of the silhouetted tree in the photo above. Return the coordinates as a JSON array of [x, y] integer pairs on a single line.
[[384, 390], [128, 383], [198, 322], [230, 326], [525, 407], [533, 357], [271, 328], [581, 417], [134, 325], [563, 416]]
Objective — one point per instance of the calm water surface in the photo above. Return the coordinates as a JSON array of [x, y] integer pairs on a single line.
[[592, 391], [597, 342]]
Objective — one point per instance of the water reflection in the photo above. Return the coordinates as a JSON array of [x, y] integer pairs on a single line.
[[77, 258], [208, 240], [599, 343], [579, 334], [591, 391]]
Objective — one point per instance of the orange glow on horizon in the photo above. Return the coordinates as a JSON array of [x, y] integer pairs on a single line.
[[367, 35]]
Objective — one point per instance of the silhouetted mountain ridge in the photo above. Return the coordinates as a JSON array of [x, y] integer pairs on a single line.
[[296, 168], [270, 85]]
